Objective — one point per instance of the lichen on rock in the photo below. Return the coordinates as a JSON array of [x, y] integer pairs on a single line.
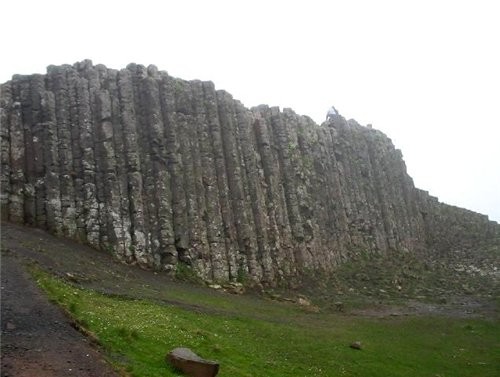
[[162, 171]]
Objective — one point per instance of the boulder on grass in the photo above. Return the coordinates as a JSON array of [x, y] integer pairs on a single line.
[[356, 345], [191, 364]]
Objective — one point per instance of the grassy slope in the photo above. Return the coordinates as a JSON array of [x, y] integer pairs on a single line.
[[279, 339]]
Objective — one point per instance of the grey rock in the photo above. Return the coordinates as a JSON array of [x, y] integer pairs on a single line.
[[356, 345], [191, 364], [161, 171]]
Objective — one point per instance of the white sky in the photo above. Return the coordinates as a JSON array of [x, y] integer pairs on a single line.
[[427, 73]]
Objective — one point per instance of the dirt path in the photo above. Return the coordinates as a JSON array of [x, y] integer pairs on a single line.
[[37, 339]]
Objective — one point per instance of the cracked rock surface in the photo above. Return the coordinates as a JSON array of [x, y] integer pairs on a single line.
[[161, 171]]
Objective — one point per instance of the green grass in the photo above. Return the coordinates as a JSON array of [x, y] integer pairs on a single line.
[[138, 333]]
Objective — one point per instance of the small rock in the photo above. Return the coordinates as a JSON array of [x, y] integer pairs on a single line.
[[234, 288], [274, 296], [303, 300], [191, 364], [356, 345], [312, 309], [339, 306], [71, 277]]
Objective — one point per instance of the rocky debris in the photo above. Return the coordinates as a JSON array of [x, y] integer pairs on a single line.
[[339, 306], [231, 287], [306, 304], [161, 171], [277, 297], [191, 364], [234, 288], [303, 301], [76, 277], [214, 286], [300, 300], [312, 309]]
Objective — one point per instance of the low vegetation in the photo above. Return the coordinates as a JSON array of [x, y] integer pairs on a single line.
[[279, 339]]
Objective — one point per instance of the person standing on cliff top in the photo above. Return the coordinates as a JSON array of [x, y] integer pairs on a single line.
[[332, 112]]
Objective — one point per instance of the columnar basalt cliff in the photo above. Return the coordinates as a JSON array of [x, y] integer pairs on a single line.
[[161, 171]]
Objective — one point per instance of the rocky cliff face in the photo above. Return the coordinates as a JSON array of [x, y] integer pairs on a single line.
[[161, 171]]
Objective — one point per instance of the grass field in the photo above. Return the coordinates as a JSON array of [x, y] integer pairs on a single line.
[[267, 338]]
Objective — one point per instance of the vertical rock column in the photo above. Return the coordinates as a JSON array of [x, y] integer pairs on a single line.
[[24, 95], [193, 229], [173, 239], [148, 121], [118, 190], [279, 230], [35, 127], [174, 165], [6, 107], [207, 188], [111, 221], [147, 116], [374, 182], [317, 246], [18, 189], [285, 127], [76, 165], [366, 223], [51, 161], [90, 208], [340, 202], [133, 168], [223, 265], [160, 207], [246, 259], [254, 186], [184, 198], [59, 86]]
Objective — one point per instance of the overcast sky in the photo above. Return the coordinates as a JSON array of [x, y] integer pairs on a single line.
[[427, 73]]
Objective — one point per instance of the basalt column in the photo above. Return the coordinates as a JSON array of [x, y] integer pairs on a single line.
[[178, 176]]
